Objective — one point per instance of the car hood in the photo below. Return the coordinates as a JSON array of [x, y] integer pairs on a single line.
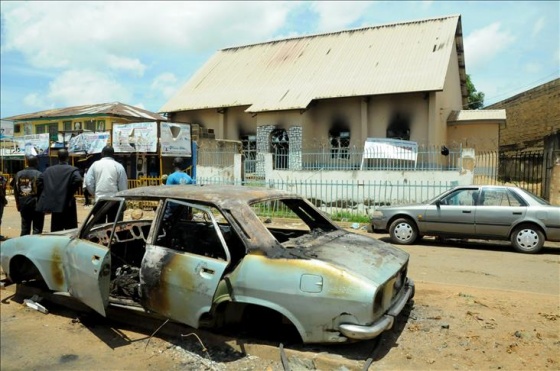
[[362, 255]]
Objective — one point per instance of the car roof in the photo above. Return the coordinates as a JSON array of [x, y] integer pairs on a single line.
[[225, 196]]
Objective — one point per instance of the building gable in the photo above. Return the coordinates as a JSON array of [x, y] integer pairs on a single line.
[[291, 73]]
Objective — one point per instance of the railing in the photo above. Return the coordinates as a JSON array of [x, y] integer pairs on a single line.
[[427, 158], [351, 198], [144, 181]]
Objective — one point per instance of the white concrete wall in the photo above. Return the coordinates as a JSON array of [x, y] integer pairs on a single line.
[[359, 191]]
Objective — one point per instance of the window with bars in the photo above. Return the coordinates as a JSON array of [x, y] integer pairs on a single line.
[[249, 143], [340, 142], [51, 128]]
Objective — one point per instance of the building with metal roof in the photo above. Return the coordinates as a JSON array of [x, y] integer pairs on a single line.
[[59, 125], [401, 80]]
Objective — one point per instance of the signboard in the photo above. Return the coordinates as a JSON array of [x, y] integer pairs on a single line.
[[386, 148], [6, 129], [33, 145], [11, 153], [87, 143], [175, 139], [135, 137]]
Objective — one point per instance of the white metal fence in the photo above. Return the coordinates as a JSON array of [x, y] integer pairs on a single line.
[[343, 199]]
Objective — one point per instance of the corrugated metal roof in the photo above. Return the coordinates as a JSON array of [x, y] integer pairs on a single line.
[[477, 115], [112, 109], [290, 73]]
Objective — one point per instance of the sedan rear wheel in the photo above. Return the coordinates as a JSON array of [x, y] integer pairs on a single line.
[[527, 239], [403, 232]]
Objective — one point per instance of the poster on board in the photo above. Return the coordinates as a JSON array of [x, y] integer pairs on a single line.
[[175, 139], [387, 148], [135, 137], [33, 145], [88, 143]]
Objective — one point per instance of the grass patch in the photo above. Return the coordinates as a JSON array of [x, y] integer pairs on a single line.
[[349, 217]]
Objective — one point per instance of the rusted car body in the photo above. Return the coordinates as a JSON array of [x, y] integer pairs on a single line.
[[205, 255]]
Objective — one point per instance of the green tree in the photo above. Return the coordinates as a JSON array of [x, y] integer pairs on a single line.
[[476, 98]]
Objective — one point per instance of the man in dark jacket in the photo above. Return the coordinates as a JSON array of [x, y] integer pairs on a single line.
[[3, 201], [26, 194], [57, 185]]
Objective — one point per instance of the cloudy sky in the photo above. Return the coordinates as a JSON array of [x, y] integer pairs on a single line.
[[61, 54]]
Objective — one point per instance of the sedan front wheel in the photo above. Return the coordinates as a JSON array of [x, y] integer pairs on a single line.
[[527, 239], [403, 232]]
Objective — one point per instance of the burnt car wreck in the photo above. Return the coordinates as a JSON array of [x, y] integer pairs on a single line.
[[209, 256]]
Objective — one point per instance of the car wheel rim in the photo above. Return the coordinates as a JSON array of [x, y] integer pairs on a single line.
[[403, 232], [527, 239]]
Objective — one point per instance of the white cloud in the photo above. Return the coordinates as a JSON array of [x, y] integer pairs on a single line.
[[34, 101], [77, 87], [88, 34], [126, 64], [166, 84], [484, 44], [338, 15], [539, 25], [533, 68]]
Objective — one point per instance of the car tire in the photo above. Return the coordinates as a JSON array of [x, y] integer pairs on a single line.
[[403, 231], [527, 239]]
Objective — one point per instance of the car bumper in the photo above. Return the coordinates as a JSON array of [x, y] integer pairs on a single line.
[[360, 332], [379, 223]]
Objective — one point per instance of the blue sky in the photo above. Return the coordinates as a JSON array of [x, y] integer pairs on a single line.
[[61, 54]]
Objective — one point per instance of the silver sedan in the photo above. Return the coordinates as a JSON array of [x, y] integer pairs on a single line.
[[481, 212]]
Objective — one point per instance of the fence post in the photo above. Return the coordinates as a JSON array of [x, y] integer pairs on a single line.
[[555, 179]]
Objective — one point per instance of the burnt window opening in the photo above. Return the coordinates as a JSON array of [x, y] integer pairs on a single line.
[[399, 128], [249, 143], [17, 128], [280, 144], [339, 142]]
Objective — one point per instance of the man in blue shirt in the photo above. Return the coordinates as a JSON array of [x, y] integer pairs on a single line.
[[178, 176]]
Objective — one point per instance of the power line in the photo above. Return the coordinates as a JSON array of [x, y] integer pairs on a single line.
[[530, 85], [516, 91]]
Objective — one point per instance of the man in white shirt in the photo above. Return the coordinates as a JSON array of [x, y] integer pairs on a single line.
[[106, 176]]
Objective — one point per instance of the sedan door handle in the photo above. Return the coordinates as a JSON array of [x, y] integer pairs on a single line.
[[517, 213], [208, 271], [466, 211]]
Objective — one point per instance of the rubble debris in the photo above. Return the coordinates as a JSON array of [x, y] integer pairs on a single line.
[[33, 304]]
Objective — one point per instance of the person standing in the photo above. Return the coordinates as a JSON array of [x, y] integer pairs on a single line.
[[106, 177], [3, 201], [87, 201], [57, 186], [178, 176], [26, 194]]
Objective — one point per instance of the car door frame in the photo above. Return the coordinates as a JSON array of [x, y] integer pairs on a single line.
[[180, 285], [88, 264], [442, 219]]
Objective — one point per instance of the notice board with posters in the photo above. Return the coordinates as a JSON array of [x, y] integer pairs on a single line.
[[135, 137], [175, 139], [87, 142], [387, 148]]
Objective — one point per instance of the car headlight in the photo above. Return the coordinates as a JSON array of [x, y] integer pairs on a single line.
[[377, 214]]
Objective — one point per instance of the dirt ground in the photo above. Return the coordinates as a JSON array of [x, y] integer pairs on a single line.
[[478, 305]]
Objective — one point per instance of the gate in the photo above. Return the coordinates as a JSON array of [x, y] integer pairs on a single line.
[[530, 170]]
